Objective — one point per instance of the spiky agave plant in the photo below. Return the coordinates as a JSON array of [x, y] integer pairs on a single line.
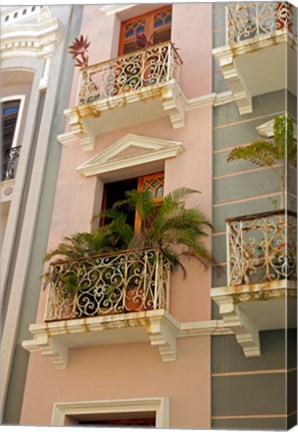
[[273, 153]]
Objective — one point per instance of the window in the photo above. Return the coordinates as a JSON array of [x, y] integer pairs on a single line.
[[9, 117], [157, 408], [156, 26], [130, 422], [113, 192]]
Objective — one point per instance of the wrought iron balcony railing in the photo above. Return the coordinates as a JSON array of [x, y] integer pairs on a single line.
[[9, 163], [254, 19], [130, 72], [121, 282], [262, 248]]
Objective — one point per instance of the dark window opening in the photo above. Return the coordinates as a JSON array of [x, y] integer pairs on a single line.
[[9, 116], [113, 192], [143, 422], [117, 191]]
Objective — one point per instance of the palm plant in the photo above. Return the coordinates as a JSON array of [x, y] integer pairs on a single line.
[[273, 153], [175, 229], [172, 227]]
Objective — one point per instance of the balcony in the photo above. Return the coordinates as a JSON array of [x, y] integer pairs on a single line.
[[9, 163], [131, 89], [261, 50], [108, 284], [107, 299], [261, 272]]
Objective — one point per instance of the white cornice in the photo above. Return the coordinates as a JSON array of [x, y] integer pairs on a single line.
[[148, 150], [267, 129], [54, 339], [31, 40], [232, 299]]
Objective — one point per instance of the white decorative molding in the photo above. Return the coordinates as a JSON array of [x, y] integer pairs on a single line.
[[34, 40], [204, 328], [87, 121], [159, 405], [233, 62], [15, 14], [86, 136], [66, 138], [267, 129], [225, 59], [147, 149], [174, 103], [163, 334], [237, 302], [46, 74], [158, 327], [48, 346]]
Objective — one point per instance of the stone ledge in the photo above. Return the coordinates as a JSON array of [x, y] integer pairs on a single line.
[[157, 327]]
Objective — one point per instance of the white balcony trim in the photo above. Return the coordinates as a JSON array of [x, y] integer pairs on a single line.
[[171, 97], [158, 327], [160, 405], [230, 300], [111, 160], [227, 57]]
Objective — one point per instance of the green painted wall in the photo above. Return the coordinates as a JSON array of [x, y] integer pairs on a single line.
[[247, 393]]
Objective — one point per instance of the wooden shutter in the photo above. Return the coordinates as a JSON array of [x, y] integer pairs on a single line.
[[156, 24]]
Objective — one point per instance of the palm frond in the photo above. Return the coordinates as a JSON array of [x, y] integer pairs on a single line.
[[261, 153]]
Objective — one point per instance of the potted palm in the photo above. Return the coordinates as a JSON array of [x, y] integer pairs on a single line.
[[172, 228]]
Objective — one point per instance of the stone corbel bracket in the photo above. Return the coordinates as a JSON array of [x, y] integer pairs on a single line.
[[48, 346], [237, 303], [174, 103], [225, 59], [79, 130], [246, 333], [163, 334]]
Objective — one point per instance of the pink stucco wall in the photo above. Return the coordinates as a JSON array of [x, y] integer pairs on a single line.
[[124, 371], [136, 370]]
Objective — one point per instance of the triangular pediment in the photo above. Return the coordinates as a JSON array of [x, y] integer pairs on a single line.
[[131, 150]]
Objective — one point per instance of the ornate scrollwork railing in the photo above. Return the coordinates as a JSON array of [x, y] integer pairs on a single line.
[[262, 248], [128, 73], [254, 19], [9, 163], [121, 282]]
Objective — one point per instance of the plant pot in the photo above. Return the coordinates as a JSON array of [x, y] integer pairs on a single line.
[[133, 301]]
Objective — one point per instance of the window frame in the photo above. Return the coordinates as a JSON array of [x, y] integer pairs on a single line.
[[149, 27], [140, 183], [12, 98], [159, 405]]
